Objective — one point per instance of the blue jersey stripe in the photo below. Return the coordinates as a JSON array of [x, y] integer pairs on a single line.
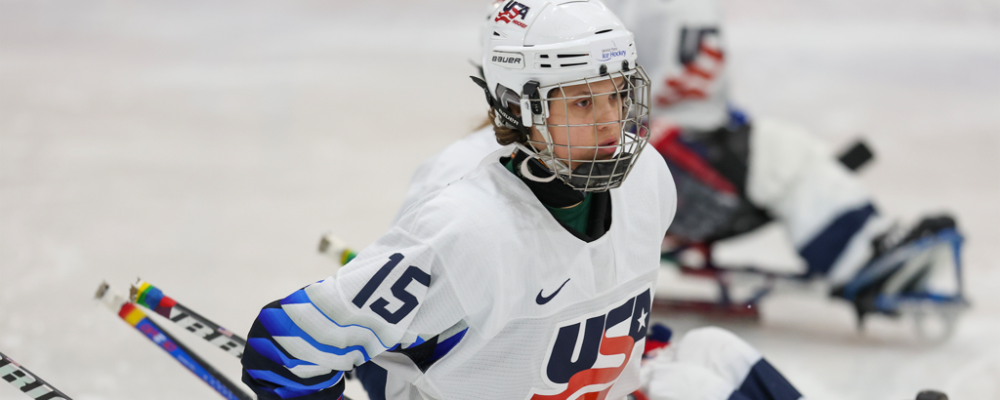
[[300, 297], [268, 349], [419, 341], [277, 323], [445, 346]]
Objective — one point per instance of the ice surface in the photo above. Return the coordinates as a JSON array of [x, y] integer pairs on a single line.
[[204, 146]]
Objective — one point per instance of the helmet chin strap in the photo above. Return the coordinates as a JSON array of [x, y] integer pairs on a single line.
[[533, 115], [546, 155], [526, 171]]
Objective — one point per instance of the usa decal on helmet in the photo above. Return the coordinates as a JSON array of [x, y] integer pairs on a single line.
[[511, 11], [508, 60], [587, 355]]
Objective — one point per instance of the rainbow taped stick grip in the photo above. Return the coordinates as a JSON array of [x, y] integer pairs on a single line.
[[151, 297], [198, 366]]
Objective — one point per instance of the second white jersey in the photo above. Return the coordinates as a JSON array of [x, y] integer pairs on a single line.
[[520, 308]]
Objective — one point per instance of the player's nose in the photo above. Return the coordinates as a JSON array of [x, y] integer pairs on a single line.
[[608, 114]]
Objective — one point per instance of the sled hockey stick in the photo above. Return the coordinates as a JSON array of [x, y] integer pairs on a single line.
[[29, 383], [152, 298], [135, 317]]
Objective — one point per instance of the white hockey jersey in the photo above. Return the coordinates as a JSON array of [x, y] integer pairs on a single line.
[[520, 308], [448, 166]]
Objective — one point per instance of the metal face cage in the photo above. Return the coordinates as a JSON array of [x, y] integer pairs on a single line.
[[592, 129]]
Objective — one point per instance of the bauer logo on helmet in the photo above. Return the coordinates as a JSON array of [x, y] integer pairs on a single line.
[[508, 60]]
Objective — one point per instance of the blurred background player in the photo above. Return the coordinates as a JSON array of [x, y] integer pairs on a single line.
[[513, 282], [734, 174]]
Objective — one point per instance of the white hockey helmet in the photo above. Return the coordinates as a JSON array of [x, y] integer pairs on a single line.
[[539, 47], [486, 29], [684, 53], [485, 32]]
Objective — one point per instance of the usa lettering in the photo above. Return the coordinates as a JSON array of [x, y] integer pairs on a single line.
[[511, 11], [27, 383], [577, 347]]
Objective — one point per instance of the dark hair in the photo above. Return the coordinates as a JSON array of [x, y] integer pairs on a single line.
[[504, 134]]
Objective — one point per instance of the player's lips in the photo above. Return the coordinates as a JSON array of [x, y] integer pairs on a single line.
[[608, 147]]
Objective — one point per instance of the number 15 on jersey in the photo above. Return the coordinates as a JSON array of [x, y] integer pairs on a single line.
[[410, 302]]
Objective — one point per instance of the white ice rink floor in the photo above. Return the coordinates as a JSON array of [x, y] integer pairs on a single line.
[[204, 146]]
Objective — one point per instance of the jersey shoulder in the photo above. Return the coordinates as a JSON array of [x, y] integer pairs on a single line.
[[473, 146], [459, 157], [650, 184], [481, 201], [448, 166]]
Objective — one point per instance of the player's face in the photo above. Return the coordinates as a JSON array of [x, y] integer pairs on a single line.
[[584, 120]]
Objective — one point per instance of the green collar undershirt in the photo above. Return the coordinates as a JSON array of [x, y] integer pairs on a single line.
[[575, 216]]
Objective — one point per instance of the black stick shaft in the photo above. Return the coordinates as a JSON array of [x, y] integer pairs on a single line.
[[154, 299], [26, 381]]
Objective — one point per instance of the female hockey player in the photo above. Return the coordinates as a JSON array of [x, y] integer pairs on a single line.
[[708, 363], [530, 278]]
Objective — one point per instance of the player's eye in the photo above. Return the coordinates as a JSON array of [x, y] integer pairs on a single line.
[[583, 103]]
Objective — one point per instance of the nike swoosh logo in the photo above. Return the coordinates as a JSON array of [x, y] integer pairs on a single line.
[[542, 299]]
